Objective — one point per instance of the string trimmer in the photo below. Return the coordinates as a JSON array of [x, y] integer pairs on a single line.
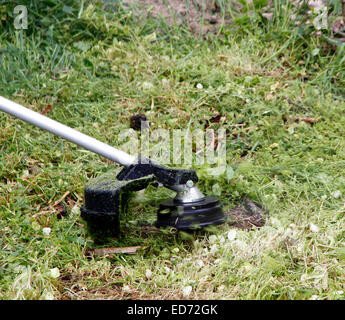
[[106, 195]]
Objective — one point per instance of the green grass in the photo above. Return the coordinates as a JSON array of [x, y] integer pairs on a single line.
[[94, 71]]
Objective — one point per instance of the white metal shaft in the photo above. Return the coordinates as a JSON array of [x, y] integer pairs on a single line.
[[65, 132]]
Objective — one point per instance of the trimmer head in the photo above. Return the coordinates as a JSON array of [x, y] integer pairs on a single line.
[[106, 197], [190, 216]]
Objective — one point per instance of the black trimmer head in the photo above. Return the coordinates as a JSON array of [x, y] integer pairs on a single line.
[[106, 197], [190, 216]]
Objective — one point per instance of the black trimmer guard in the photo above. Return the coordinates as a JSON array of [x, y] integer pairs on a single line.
[[106, 197]]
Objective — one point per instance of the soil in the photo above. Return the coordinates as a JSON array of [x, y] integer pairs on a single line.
[[200, 16], [136, 121], [247, 215]]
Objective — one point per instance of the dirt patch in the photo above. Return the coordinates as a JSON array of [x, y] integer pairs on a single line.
[[106, 292], [200, 16], [247, 215], [74, 287]]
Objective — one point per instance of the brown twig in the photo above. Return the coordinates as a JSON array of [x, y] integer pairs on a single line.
[[51, 207], [298, 105], [61, 199], [112, 250], [306, 119], [309, 120]]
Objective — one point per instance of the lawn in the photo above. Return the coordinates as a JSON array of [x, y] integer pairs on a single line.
[[276, 87]]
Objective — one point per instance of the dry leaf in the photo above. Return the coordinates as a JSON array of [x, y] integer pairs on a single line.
[[46, 109]]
